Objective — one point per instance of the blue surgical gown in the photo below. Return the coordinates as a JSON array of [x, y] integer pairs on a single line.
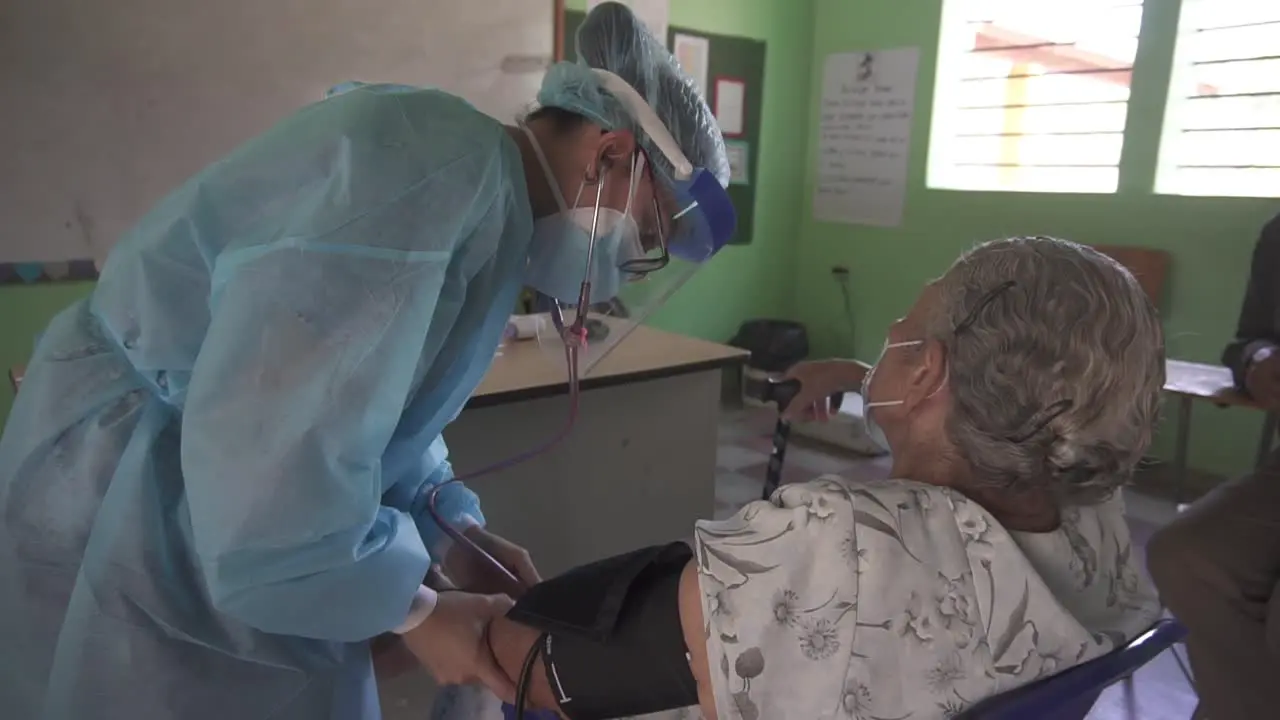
[[212, 483]]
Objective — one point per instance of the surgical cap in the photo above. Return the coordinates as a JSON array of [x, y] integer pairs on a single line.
[[612, 38]]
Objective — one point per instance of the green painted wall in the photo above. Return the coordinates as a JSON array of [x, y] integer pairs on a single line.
[[750, 281], [785, 271], [1210, 238], [24, 311]]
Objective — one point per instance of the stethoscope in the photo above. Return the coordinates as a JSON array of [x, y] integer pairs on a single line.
[[574, 337]]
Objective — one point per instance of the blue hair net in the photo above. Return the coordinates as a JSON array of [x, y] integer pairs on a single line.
[[612, 38]]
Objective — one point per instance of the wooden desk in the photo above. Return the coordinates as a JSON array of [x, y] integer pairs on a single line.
[[525, 371], [639, 466], [1190, 382]]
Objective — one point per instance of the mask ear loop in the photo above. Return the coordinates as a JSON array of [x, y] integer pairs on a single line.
[[637, 174], [637, 171], [946, 375], [546, 169], [583, 186]]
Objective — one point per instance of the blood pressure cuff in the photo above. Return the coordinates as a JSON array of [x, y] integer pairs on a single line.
[[613, 645]]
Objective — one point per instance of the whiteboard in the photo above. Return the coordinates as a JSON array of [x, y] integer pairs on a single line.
[[106, 106]]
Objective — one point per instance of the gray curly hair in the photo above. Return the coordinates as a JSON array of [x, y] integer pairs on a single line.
[[1056, 376]]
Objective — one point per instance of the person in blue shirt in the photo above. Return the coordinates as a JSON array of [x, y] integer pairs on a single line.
[[213, 483]]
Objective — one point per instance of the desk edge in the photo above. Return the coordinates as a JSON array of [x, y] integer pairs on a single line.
[[507, 397]]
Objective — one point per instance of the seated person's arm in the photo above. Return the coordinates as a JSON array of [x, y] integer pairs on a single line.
[[1256, 330], [656, 655], [760, 623]]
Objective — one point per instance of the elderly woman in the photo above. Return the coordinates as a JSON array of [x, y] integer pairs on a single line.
[[1016, 396]]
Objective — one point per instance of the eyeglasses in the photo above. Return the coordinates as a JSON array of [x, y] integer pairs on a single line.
[[654, 241]]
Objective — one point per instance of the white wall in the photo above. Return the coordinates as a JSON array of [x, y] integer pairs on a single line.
[[105, 105]]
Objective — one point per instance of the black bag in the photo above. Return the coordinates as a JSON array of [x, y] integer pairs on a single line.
[[775, 345]]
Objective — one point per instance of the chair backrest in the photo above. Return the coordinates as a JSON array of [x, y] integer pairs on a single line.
[[1070, 694], [1149, 265]]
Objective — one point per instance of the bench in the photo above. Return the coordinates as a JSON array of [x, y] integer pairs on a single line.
[[1190, 382]]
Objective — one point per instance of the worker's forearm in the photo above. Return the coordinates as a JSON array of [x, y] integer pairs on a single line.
[[265, 588]]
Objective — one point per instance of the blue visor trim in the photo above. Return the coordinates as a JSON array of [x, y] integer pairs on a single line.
[[710, 222]]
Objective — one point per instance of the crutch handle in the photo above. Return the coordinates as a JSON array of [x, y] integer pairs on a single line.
[[782, 392]]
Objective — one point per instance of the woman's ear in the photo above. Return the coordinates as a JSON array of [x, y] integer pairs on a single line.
[[929, 373]]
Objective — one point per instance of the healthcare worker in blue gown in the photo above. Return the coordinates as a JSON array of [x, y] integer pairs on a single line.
[[213, 480]]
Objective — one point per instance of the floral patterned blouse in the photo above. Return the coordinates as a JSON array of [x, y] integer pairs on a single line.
[[892, 599]]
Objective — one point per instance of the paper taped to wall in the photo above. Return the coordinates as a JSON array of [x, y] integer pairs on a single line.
[[864, 136]]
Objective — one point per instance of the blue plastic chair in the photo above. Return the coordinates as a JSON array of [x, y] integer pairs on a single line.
[[1070, 694]]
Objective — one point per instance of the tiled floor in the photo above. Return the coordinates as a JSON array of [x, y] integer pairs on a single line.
[[746, 438]]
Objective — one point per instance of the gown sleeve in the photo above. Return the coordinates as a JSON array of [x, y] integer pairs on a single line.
[[311, 352], [457, 504]]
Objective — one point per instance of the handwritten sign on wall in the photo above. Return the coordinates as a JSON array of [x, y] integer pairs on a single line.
[[864, 133]]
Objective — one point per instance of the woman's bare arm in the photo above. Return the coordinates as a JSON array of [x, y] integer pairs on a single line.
[[695, 640]]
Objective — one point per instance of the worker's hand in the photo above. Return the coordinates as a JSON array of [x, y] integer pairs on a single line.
[[391, 658], [452, 644], [819, 380], [1263, 380], [473, 573]]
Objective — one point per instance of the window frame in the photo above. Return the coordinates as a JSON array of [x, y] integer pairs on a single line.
[[1172, 141], [941, 169]]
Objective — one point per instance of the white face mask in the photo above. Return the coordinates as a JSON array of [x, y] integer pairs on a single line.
[[558, 253], [873, 428]]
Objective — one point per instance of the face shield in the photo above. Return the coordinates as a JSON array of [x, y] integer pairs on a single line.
[[630, 271]]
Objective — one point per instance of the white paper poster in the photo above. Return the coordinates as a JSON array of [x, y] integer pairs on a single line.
[[731, 96], [691, 52], [864, 136], [654, 13]]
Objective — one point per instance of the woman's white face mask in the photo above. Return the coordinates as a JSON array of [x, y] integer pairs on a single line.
[[873, 428], [564, 251]]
